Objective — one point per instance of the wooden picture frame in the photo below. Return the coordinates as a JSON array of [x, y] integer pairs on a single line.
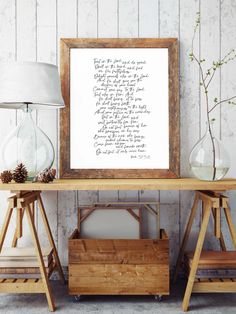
[[150, 45]]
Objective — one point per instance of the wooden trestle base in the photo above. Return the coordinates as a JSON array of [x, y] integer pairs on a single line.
[[212, 203], [24, 202]]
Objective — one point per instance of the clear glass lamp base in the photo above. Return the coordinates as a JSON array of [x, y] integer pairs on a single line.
[[209, 161], [29, 145]]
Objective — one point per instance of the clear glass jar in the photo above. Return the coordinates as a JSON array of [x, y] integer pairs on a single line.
[[29, 145], [208, 159]]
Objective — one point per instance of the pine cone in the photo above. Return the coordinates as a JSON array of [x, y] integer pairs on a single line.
[[46, 176], [43, 177], [20, 174], [6, 176], [52, 174]]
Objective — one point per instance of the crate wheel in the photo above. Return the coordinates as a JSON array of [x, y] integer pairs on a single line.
[[158, 297], [77, 298]]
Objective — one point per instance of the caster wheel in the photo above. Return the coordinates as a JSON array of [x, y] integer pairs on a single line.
[[158, 297], [77, 298]]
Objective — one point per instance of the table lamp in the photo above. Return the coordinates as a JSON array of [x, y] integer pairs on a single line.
[[28, 86]]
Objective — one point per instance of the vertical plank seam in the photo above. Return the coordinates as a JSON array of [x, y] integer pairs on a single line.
[[77, 18], [36, 31], [36, 59], [97, 37], [56, 31], [118, 21], [97, 19], [220, 52], [36, 44], [199, 89], [15, 30], [118, 33], [57, 110], [138, 37], [180, 195], [77, 35], [138, 17], [158, 34], [15, 48], [57, 136], [200, 101], [179, 207]]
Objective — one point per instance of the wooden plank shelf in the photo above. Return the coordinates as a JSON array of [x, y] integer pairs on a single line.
[[123, 184], [215, 264], [211, 260], [26, 270], [214, 285], [16, 285]]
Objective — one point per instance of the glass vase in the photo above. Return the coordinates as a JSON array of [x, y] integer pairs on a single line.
[[29, 145], [208, 159]]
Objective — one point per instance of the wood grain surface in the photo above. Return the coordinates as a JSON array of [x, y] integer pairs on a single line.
[[118, 266], [123, 184]]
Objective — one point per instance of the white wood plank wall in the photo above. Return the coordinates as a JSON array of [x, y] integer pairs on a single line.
[[31, 30]]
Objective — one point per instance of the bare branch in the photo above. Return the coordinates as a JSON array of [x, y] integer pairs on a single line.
[[220, 102], [218, 64], [214, 71]]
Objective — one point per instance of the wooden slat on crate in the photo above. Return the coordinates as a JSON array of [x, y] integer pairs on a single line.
[[118, 251], [121, 279]]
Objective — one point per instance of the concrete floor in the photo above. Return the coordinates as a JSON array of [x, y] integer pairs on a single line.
[[200, 303]]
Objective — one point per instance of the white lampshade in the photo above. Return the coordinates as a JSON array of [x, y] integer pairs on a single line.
[[35, 83]]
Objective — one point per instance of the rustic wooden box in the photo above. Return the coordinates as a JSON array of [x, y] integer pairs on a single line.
[[135, 267]]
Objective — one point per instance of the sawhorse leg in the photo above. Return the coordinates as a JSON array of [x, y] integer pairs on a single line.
[[186, 236], [230, 223], [50, 238], [196, 257], [210, 202], [5, 225], [24, 201], [43, 272]]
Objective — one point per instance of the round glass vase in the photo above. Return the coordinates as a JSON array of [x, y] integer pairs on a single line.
[[208, 159], [29, 145]]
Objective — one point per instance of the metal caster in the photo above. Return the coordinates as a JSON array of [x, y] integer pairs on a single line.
[[77, 298], [158, 297]]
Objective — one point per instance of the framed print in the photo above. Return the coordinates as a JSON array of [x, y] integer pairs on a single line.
[[122, 108]]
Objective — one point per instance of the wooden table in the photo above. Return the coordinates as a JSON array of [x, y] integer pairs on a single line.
[[209, 202], [123, 184]]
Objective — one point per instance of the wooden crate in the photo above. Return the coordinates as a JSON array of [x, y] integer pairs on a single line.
[[113, 266]]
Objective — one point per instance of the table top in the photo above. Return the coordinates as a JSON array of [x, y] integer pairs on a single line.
[[122, 184]]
